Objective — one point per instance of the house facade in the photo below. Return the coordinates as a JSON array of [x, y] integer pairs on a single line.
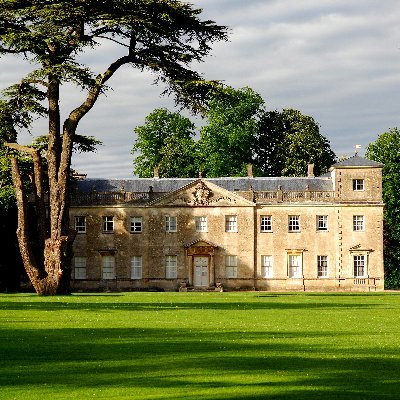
[[275, 234]]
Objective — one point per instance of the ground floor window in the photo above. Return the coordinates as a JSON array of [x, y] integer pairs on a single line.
[[80, 267], [322, 262], [108, 267], [136, 267], [266, 267], [171, 263], [359, 263], [231, 266], [295, 266]]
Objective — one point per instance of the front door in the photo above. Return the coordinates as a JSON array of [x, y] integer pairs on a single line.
[[200, 265]]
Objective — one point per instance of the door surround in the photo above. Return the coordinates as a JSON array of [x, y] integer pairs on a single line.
[[201, 249]]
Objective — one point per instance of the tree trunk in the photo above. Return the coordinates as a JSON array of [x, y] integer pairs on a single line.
[[53, 274]]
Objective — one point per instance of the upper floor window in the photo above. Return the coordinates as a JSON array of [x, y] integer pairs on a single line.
[[322, 222], [359, 263], [201, 224], [170, 223], [358, 223], [231, 223], [231, 266], [80, 267], [266, 223], [358, 185], [80, 224], [108, 224], [136, 267], [266, 266], [322, 264], [136, 224], [294, 223], [171, 263]]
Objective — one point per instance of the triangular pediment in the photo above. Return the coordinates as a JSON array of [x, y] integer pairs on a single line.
[[202, 193], [200, 243]]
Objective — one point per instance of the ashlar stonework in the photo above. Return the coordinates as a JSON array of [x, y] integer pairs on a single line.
[[308, 233]]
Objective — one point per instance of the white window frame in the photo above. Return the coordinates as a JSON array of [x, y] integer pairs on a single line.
[[108, 224], [266, 223], [231, 223], [171, 264], [201, 224], [136, 224], [80, 267], [322, 222], [266, 266], [171, 223], [295, 269], [358, 185], [231, 266], [360, 264], [358, 223], [136, 267], [108, 267], [294, 223], [80, 224], [322, 266]]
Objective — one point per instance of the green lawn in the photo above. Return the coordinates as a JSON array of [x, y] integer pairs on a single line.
[[255, 345]]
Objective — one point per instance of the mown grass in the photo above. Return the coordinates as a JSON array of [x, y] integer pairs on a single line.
[[200, 346]]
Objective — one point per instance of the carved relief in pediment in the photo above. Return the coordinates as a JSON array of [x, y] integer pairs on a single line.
[[202, 195]]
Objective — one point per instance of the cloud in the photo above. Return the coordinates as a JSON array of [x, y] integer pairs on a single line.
[[336, 60]]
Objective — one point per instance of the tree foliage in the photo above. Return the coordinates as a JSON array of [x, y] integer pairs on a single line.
[[162, 36], [386, 150], [238, 131], [226, 141], [287, 142], [165, 141]]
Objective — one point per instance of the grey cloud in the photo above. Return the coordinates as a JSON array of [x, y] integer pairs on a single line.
[[336, 60]]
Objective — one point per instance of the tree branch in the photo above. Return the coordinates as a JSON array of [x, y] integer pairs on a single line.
[[24, 149]]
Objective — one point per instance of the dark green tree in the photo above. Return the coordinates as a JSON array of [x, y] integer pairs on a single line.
[[386, 150], [162, 36], [166, 140], [10, 263], [287, 141], [226, 141]]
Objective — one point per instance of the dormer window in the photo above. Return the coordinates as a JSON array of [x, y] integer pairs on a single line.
[[358, 185]]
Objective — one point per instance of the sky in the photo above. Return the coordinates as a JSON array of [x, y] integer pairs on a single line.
[[335, 60]]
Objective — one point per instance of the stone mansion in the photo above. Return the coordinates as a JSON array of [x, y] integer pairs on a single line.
[[275, 234]]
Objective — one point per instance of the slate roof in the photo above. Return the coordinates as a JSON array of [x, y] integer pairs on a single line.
[[166, 185], [357, 161]]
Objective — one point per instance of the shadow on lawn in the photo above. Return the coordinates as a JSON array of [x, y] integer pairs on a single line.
[[176, 305], [190, 361]]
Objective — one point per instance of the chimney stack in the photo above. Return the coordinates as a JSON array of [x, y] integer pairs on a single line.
[[156, 172], [250, 170], [310, 171]]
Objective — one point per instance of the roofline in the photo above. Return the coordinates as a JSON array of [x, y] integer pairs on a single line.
[[354, 167]]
